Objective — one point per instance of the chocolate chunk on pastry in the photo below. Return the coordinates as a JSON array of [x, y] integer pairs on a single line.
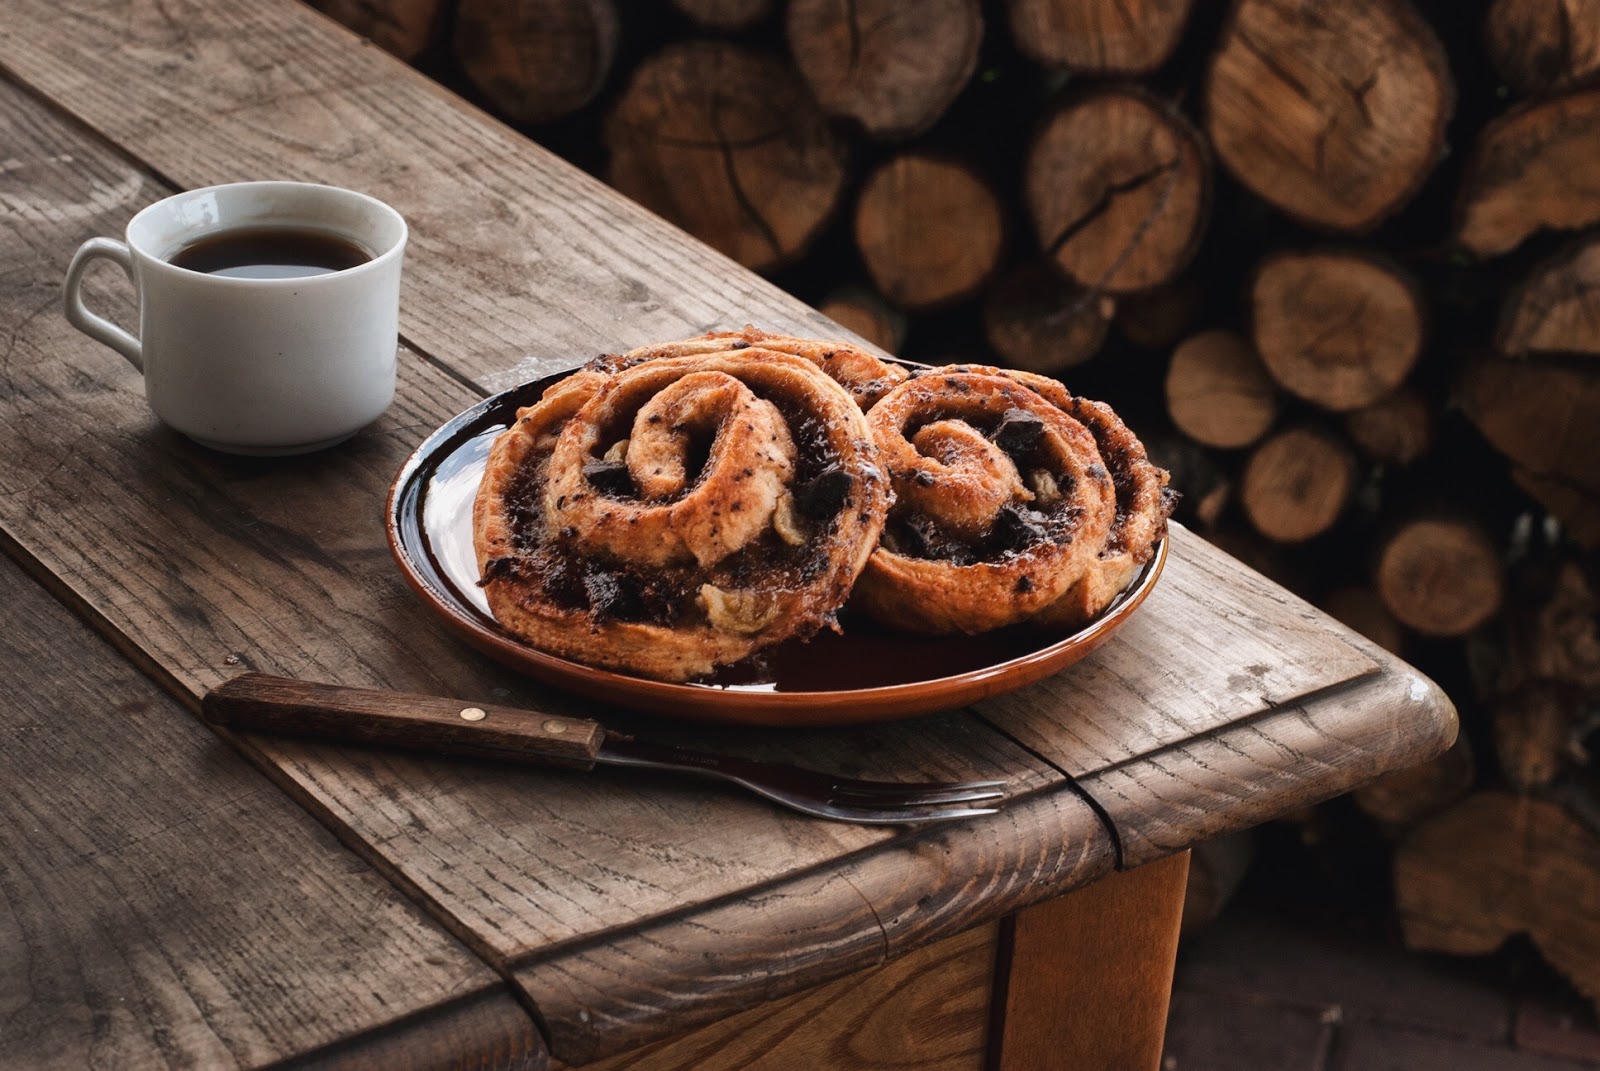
[[1015, 502], [668, 515]]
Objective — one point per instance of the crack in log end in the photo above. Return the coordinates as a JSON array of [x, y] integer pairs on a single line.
[[731, 171], [1110, 192], [1278, 70]]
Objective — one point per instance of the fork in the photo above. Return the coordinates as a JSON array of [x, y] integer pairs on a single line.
[[259, 702]]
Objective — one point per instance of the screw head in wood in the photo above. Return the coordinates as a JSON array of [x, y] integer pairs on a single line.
[[474, 713], [554, 726]]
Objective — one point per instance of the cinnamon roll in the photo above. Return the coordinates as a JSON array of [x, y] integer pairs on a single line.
[[670, 513], [1015, 501], [866, 377]]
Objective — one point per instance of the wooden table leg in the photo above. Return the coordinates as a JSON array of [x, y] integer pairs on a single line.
[[1091, 974]]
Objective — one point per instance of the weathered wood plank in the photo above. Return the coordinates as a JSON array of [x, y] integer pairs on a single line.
[[519, 263], [206, 564], [1090, 973], [314, 86], [1214, 642], [623, 992], [162, 905], [927, 1011], [1294, 755]]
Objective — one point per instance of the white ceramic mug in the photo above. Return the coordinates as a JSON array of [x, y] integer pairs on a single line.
[[257, 366]]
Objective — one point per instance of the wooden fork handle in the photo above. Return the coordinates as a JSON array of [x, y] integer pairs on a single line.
[[258, 702]]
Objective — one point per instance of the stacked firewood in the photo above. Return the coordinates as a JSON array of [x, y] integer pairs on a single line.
[[1338, 262]]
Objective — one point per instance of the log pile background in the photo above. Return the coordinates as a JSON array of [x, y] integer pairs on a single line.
[[1339, 264]]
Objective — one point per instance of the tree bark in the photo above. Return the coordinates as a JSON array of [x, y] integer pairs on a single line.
[[1535, 168], [928, 229], [727, 144], [1218, 392], [1118, 184], [536, 60], [1440, 577], [1334, 113], [1037, 320], [890, 66], [1297, 483], [1338, 329], [1099, 36], [1539, 46]]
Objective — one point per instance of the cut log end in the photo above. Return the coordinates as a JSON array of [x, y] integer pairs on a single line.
[[868, 315], [1218, 393], [1440, 577], [1036, 320], [928, 229], [1545, 417], [726, 143], [1118, 185], [1532, 170], [404, 28], [1556, 310], [1099, 36], [1539, 46], [1494, 865], [1405, 797], [1395, 430], [1341, 330], [1335, 113], [536, 60], [890, 66], [1297, 483]]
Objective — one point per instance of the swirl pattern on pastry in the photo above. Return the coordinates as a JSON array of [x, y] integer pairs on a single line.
[[1015, 502], [670, 515], [866, 377]]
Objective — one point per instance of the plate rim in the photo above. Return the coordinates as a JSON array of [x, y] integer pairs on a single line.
[[708, 702]]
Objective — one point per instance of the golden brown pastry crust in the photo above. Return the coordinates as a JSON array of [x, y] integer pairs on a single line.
[[1015, 502], [668, 515], [866, 377]]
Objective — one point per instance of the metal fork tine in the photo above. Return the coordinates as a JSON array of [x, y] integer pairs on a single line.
[[899, 817], [912, 795], [895, 788]]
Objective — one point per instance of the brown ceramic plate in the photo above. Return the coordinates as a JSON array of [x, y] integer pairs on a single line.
[[867, 674]]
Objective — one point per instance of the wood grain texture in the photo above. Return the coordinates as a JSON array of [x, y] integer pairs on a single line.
[[1237, 777], [519, 264], [623, 905], [1090, 973], [1333, 114], [162, 905], [893, 68], [622, 992], [1201, 653], [1532, 169], [221, 558], [927, 1011]]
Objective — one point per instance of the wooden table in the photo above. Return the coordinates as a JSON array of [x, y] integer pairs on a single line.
[[168, 897]]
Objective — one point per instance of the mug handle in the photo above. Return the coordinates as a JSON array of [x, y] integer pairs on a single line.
[[78, 315]]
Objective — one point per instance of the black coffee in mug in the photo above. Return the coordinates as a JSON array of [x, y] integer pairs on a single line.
[[270, 253]]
